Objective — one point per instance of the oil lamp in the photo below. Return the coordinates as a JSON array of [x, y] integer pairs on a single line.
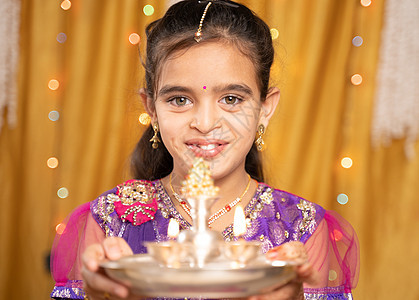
[[197, 262]]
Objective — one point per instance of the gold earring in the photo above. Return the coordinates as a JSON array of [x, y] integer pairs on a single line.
[[155, 139], [260, 144]]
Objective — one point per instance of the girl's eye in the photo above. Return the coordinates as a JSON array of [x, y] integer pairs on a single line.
[[232, 100], [179, 101]]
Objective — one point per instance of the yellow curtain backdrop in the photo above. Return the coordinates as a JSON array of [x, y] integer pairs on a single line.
[[322, 118]]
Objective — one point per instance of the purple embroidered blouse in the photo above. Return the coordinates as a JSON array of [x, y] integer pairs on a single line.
[[139, 211]]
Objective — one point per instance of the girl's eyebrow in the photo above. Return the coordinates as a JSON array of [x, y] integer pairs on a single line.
[[234, 87], [168, 89]]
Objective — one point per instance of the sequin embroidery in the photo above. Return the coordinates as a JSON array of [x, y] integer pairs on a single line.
[[308, 222], [327, 293], [72, 290]]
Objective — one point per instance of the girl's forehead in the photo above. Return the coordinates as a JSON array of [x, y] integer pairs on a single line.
[[208, 64]]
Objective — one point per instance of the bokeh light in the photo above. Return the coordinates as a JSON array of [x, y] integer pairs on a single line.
[[332, 275], [144, 119], [62, 192], [60, 228], [274, 33], [356, 79], [337, 235], [134, 38], [148, 10], [52, 162], [54, 115], [346, 162], [342, 199], [357, 41], [66, 4], [61, 37], [365, 3], [53, 84]]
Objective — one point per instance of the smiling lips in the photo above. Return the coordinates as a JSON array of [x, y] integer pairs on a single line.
[[206, 149]]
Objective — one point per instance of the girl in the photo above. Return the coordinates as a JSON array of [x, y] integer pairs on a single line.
[[207, 92]]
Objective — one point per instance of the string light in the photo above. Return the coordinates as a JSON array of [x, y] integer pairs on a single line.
[[53, 84], [144, 119], [356, 79], [62, 192], [134, 38], [342, 199], [365, 3], [274, 33], [54, 115], [148, 10], [66, 4], [346, 162], [60, 228], [52, 162]]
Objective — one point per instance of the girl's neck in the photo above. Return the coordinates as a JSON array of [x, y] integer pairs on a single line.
[[231, 187]]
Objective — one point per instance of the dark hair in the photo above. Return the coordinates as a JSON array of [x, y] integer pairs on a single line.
[[225, 20]]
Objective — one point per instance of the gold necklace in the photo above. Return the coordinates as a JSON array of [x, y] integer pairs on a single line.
[[218, 214]]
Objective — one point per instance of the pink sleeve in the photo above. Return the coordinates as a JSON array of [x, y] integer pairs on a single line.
[[334, 252], [81, 231]]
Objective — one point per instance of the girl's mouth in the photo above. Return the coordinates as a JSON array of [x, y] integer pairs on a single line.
[[206, 149]]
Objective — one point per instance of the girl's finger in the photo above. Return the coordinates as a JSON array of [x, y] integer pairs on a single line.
[[116, 248], [92, 256], [98, 284], [307, 274], [293, 250]]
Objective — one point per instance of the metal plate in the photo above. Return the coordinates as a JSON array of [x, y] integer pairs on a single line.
[[218, 279]]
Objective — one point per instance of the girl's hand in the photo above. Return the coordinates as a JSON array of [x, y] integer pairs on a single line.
[[97, 284], [294, 251]]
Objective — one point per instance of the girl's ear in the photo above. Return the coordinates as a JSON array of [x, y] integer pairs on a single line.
[[148, 105], [269, 105]]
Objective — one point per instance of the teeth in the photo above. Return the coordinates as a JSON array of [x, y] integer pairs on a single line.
[[204, 147], [207, 147]]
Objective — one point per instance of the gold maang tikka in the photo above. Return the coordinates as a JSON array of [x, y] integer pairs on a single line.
[[155, 139], [198, 33]]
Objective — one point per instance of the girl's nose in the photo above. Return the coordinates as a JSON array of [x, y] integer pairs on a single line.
[[206, 117]]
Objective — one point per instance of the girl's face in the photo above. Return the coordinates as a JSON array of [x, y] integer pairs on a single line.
[[208, 104]]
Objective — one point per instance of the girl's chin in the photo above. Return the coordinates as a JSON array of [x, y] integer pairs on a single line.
[[215, 165]]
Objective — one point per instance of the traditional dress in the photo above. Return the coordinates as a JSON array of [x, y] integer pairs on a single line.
[[139, 211]]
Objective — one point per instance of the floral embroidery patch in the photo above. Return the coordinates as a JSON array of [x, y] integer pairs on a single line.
[[135, 202]]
